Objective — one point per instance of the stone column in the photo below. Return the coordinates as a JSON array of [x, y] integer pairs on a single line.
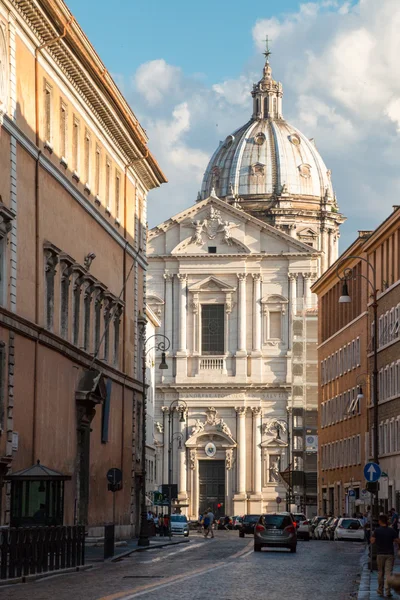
[[195, 309], [242, 313], [331, 238], [165, 411], [228, 481], [182, 312], [307, 289], [257, 449], [241, 413], [256, 312], [293, 291], [168, 307]]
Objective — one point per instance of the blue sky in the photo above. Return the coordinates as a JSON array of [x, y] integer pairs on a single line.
[[187, 70], [211, 37]]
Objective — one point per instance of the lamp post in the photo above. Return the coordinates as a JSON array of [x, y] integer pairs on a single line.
[[162, 345], [181, 406], [348, 274]]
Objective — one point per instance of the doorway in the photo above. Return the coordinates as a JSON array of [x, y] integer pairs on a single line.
[[212, 486]]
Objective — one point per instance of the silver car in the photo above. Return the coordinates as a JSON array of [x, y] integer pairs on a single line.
[[275, 530]]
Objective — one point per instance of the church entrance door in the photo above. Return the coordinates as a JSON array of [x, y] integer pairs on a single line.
[[212, 486]]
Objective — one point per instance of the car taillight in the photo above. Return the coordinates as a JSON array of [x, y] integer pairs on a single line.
[[290, 529], [260, 528], [306, 522]]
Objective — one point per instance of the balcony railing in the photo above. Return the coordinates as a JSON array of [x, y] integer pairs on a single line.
[[211, 364]]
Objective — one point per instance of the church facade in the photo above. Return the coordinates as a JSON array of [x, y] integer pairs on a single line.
[[228, 277]]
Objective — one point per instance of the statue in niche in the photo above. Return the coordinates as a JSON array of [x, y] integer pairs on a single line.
[[274, 469]]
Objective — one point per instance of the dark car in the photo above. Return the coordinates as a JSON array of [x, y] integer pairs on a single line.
[[314, 525], [247, 525], [275, 530], [330, 530]]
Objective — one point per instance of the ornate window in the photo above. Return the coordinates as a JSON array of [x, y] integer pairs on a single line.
[[51, 260], [97, 172], [117, 194], [48, 114], [63, 131], [274, 311], [87, 159], [108, 182], [75, 146], [212, 329]]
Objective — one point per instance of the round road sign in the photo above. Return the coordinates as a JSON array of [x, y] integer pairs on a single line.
[[114, 476], [278, 500]]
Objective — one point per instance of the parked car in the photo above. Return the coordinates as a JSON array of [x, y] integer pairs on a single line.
[[319, 529], [330, 530], [349, 529], [237, 521], [314, 524], [248, 524], [275, 530], [324, 532], [224, 523], [179, 525], [302, 526]]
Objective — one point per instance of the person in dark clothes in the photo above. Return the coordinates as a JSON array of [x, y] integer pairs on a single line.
[[384, 537]]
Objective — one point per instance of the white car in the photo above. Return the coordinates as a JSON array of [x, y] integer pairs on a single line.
[[302, 526], [350, 529], [179, 525], [319, 529]]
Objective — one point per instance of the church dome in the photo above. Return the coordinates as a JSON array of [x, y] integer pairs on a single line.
[[267, 156]]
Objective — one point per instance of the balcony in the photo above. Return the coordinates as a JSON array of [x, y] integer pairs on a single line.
[[212, 364]]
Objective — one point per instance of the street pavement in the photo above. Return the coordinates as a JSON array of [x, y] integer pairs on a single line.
[[225, 568]]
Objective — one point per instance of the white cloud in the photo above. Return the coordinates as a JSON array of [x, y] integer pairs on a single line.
[[155, 78], [341, 79]]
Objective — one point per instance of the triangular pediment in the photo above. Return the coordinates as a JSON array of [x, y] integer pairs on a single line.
[[199, 228], [273, 442], [211, 284]]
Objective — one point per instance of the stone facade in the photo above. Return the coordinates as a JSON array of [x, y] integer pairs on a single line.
[[214, 254]]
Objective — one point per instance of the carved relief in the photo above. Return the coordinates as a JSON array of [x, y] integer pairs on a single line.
[[229, 459], [241, 410], [193, 459], [211, 226], [159, 427]]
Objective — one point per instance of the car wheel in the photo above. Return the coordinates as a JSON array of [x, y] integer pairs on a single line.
[[257, 547], [241, 534], [307, 538], [293, 549]]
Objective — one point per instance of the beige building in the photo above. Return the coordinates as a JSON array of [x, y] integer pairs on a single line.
[[75, 172]]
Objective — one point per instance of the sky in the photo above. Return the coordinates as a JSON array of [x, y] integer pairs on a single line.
[[187, 70]]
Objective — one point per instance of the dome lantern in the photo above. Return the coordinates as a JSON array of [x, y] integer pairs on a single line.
[[267, 93]]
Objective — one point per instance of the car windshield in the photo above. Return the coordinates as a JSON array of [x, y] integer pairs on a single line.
[[350, 524], [251, 518], [179, 518], [276, 521]]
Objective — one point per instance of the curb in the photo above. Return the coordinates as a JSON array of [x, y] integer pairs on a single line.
[[145, 548], [365, 579], [37, 576]]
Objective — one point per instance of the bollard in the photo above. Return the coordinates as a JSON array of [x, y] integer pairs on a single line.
[[109, 534]]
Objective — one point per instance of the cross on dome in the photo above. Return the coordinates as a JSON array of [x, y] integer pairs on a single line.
[[267, 93]]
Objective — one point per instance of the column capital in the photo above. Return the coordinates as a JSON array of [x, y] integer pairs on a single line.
[[293, 276], [182, 277], [241, 276], [256, 410], [241, 410], [165, 409], [307, 275], [257, 276], [168, 276]]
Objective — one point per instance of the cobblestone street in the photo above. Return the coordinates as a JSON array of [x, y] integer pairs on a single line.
[[225, 568]]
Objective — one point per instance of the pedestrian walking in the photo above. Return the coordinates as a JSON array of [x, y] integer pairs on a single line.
[[208, 523], [166, 526], [200, 521], [384, 537]]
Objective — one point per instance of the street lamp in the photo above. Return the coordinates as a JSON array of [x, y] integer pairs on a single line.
[[347, 275], [181, 406], [163, 345]]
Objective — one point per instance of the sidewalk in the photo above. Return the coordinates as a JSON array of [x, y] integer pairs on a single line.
[[96, 553], [369, 580]]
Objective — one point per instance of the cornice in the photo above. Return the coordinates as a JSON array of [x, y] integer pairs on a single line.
[[241, 257], [85, 72]]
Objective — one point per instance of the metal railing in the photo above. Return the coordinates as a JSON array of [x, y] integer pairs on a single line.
[[211, 364], [31, 550]]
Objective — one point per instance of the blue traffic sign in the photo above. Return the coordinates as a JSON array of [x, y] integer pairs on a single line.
[[372, 472], [351, 493]]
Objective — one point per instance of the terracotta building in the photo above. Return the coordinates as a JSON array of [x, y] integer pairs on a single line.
[[75, 172], [383, 251], [343, 378]]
